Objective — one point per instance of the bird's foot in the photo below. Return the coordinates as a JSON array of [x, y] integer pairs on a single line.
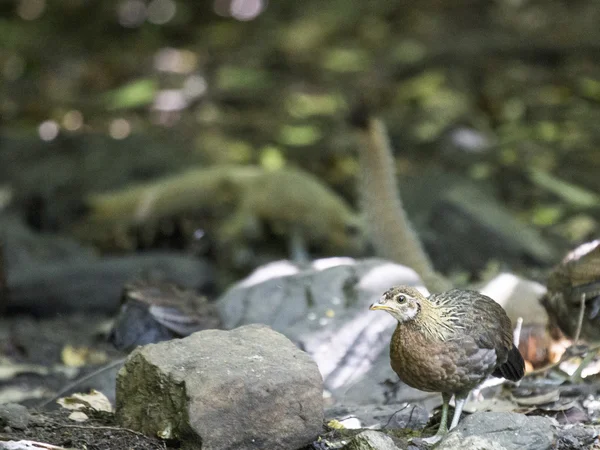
[[437, 437], [433, 439]]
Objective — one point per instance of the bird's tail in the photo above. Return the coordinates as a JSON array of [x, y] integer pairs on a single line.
[[514, 367]]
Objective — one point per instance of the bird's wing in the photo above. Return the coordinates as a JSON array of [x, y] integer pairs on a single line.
[[488, 324]]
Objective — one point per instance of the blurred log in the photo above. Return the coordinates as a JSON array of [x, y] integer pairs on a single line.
[[96, 285]]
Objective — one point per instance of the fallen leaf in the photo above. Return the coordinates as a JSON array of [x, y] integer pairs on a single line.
[[74, 357], [78, 416], [81, 356], [335, 424], [95, 400], [541, 399]]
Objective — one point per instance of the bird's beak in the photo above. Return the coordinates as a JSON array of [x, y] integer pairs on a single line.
[[381, 306]]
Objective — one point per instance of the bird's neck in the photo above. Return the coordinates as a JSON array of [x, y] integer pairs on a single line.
[[436, 322]]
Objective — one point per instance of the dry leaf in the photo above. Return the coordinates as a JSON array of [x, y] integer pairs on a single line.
[[74, 357], [95, 400], [335, 424], [541, 399], [78, 416], [81, 356], [558, 406]]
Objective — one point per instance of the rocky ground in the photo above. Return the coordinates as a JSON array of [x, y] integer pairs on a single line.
[[317, 385]]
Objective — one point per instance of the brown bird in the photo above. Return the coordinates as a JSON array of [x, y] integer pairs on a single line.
[[573, 298], [449, 342]]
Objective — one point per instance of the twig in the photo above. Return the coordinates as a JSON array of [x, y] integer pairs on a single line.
[[580, 319], [392, 416], [83, 379], [102, 427]]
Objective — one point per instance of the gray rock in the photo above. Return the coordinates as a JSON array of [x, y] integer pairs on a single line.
[[301, 301], [249, 388], [501, 431], [377, 416], [576, 437], [454, 441], [519, 297], [371, 440], [14, 416], [324, 310]]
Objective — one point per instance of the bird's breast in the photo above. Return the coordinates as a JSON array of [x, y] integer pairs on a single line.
[[439, 366]]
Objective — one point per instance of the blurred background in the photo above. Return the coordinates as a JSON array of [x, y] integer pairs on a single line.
[[106, 106], [96, 96]]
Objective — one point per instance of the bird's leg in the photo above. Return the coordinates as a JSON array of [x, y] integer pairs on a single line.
[[443, 429], [459, 403]]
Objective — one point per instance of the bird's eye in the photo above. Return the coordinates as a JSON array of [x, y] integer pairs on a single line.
[[401, 299]]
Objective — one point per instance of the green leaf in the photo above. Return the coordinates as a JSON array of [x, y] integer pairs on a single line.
[[135, 94]]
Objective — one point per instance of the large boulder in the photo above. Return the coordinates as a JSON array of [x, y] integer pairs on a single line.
[[249, 388], [324, 309]]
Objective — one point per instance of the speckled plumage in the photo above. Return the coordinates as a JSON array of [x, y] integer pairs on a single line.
[[472, 341]]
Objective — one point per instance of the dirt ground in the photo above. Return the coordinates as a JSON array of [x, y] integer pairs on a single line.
[[98, 433], [39, 350]]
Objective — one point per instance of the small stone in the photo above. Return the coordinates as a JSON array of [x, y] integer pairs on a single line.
[[454, 441], [576, 437], [371, 440], [14, 416]]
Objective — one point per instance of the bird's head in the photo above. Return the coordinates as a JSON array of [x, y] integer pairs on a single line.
[[402, 302]]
